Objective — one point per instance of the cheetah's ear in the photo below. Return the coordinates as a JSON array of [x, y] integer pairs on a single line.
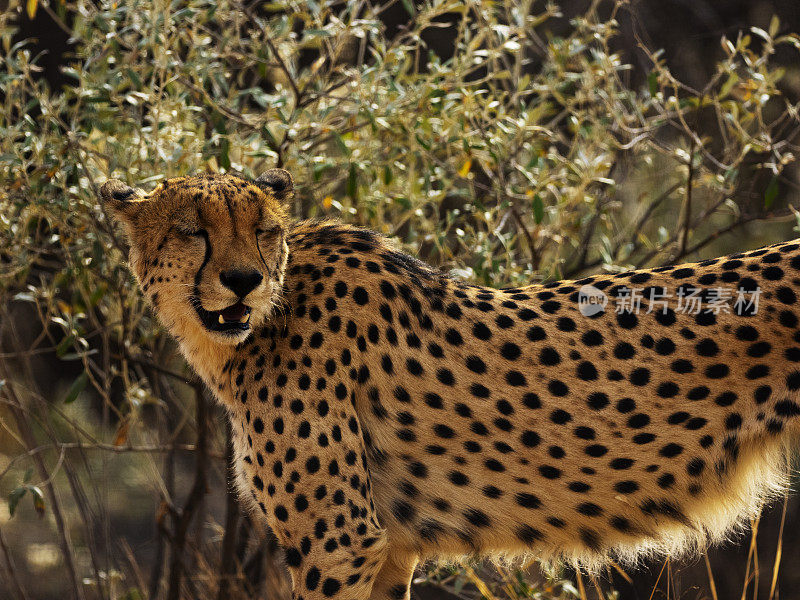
[[121, 201], [278, 182]]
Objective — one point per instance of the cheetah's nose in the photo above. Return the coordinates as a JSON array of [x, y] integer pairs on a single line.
[[241, 282]]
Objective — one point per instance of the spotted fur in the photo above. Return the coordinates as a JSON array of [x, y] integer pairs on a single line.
[[385, 413]]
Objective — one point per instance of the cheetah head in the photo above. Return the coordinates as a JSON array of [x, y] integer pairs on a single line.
[[209, 251]]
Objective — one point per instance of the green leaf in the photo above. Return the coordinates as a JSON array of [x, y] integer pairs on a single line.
[[774, 26], [137, 81], [726, 88], [422, 142], [38, 500], [259, 96], [771, 193], [13, 499], [224, 154], [341, 144], [97, 294], [309, 33], [64, 345], [352, 182], [652, 83], [538, 209], [76, 388], [79, 355], [319, 169]]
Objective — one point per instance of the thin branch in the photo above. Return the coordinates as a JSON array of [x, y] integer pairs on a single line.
[[183, 518], [12, 571], [733, 226], [683, 240], [528, 237], [231, 114], [779, 549], [633, 238], [227, 567], [268, 39], [23, 425]]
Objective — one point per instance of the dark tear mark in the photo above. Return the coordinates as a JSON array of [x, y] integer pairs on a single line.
[[199, 275], [272, 272]]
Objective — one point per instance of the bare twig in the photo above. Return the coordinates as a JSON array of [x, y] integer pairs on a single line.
[[25, 431], [228, 556], [683, 239], [183, 517], [11, 569], [278, 58], [711, 583], [778, 550]]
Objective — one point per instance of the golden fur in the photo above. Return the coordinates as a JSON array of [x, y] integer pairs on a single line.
[[385, 414]]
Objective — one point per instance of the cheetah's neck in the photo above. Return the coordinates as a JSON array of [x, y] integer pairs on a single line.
[[209, 361]]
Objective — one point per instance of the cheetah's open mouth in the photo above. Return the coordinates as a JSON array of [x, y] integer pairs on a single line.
[[231, 319]]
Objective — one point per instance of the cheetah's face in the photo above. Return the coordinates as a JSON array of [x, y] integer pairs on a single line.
[[208, 251]]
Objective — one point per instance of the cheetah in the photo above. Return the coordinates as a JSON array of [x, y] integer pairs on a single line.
[[385, 413]]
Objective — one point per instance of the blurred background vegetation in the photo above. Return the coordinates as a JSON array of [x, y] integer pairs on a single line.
[[504, 141]]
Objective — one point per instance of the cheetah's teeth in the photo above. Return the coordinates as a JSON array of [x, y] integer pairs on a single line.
[[221, 320], [245, 318]]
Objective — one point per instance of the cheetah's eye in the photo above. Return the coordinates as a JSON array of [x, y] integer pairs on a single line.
[[268, 231], [191, 231]]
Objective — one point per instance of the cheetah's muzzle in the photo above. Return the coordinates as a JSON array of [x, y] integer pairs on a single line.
[[232, 319]]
